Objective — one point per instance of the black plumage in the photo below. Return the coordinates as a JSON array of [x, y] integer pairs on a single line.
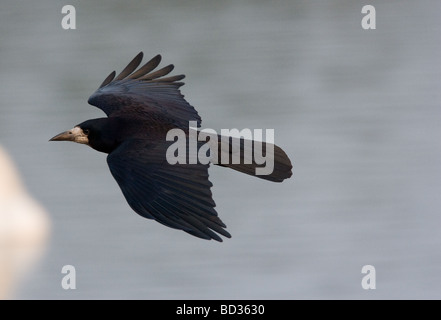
[[142, 105]]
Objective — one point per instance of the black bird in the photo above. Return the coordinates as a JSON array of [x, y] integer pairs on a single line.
[[141, 107]]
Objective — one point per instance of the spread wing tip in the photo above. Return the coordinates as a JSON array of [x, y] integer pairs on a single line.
[[131, 66], [145, 72], [109, 79]]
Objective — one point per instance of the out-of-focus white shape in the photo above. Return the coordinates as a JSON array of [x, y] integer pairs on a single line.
[[24, 228]]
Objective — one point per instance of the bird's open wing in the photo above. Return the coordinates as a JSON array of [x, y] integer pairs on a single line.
[[177, 196], [145, 94]]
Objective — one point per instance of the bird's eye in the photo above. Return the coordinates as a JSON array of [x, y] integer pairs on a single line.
[[86, 131]]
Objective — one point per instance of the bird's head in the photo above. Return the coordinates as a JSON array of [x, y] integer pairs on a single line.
[[96, 133]]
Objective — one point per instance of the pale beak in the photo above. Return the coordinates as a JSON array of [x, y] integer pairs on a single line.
[[64, 136], [76, 135]]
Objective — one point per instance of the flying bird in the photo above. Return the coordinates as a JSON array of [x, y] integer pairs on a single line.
[[141, 107]]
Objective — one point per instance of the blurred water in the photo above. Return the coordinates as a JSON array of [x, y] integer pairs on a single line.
[[358, 112]]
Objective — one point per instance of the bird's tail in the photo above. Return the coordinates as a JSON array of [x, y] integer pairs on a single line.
[[260, 159]]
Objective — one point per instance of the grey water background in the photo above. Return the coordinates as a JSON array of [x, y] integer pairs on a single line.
[[358, 112]]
